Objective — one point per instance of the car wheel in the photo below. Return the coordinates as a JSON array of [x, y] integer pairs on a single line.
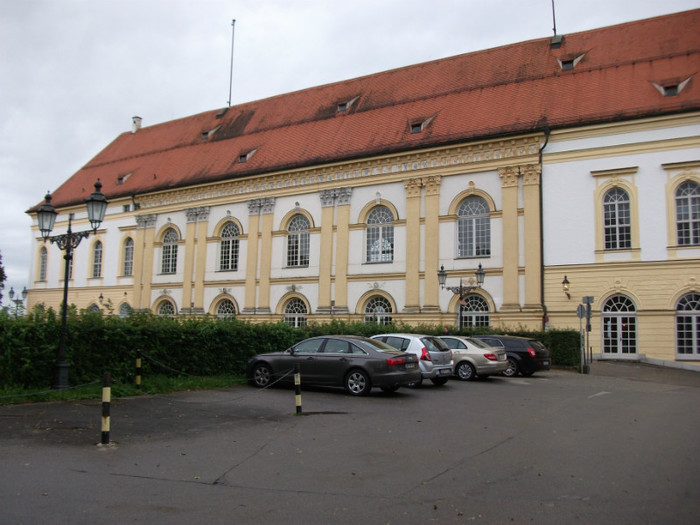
[[357, 383], [465, 371], [512, 369], [262, 375], [439, 381], [389, 389]]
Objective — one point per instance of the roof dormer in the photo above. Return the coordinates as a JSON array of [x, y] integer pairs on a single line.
[[672, 87]]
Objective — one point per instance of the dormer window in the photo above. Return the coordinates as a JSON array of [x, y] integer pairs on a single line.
[[244, 157], [206, 135], [417, 126], [569, 63], [343, 107], [671, 88], [122, 179]]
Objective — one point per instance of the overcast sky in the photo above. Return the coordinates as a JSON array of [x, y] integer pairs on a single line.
[[74, 72]]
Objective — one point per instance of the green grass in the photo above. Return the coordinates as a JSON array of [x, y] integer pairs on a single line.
[[158, 384]]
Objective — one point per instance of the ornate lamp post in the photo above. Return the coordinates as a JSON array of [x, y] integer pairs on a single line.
[[67, 242], [19, 302], [472, 284]]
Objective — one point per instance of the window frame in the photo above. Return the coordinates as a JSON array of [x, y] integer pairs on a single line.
[[379, 232], [169, 249], [471, 227], [298, 241]]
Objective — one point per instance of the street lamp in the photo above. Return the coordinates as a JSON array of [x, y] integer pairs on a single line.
[[18, 302], [67, 242], [472, 284]]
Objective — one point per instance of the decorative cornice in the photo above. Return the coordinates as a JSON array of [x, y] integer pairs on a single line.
[[455, 159]]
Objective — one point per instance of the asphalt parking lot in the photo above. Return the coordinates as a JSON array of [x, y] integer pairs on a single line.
[[616, 446]]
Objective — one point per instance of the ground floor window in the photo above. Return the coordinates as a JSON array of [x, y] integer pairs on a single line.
[[295, 312], [166, 309], [378, 310], [688, 326], [619, 326], [226, 309], [473, 311]]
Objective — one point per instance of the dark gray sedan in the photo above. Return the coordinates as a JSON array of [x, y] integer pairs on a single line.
[[354, 363]]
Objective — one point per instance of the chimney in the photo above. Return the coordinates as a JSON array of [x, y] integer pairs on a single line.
[[136, 124]]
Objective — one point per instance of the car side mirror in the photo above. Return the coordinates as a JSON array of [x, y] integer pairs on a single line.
[[289, 350]]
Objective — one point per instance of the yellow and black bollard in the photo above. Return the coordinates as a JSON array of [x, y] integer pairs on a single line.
[[106, 401], [138, 370], [297, 387]]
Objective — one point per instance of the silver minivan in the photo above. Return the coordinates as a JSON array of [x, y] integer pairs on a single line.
[[434, 356]]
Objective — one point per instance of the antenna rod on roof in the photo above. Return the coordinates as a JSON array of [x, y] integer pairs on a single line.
[[554, 19], [230, 80]]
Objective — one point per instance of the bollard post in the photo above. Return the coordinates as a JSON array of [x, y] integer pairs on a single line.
[[138, 369], [106, 401], [297, 387]]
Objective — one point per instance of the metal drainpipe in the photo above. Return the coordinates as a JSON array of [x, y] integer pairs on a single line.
[[544, 306]]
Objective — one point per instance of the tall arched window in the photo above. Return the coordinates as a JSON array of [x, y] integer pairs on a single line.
[[378, 311], [97, 259], [474, 312], [43, 259], [228, 249], [473, 228], [226, 309], [380, 235], [169, 258], [688, 326], [298, 241], [93, 309], [688, 213], [295, 312], [128, 267], [617, 220], [166, 309], [619, 326]]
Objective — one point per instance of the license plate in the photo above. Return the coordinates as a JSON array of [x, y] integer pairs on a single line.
[[545, 363], [501, 357], [410, 365], [444, 371]]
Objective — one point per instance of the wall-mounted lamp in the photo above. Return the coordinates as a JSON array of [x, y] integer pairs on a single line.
[[101, 298], [565, 286]]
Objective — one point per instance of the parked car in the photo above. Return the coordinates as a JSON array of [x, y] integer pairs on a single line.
[[525, 355], [473, 358], [354, 363], [434, 356]]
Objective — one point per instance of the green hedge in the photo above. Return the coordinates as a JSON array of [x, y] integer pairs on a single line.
[[194, 346]]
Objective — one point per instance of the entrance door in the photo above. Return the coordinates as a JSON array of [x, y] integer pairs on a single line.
[[619, 326]]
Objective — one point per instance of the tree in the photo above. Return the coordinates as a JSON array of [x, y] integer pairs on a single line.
[[3, 277]]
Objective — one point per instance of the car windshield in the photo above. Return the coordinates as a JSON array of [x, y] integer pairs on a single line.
[[434, 345], [478, 343], [374, 344]]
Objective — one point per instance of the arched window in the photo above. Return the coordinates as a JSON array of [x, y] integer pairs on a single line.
[[380, 235], [169, 258], [688, 326], [97, 259], [473, 228], [93, 309], [298, 241], [43, 259], [295, 312], [378, 310], [228, 249], [125, 310], [226, 309], [619, 326], [617, 220], [473, 312], [128, 268], [166, 309], [688, 213]]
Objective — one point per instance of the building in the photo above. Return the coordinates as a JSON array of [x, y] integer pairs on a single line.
[[567, 160]]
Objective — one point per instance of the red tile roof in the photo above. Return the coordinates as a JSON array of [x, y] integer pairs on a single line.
[[502, 91]]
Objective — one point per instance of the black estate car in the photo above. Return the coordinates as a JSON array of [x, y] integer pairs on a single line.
[[525, 356]]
